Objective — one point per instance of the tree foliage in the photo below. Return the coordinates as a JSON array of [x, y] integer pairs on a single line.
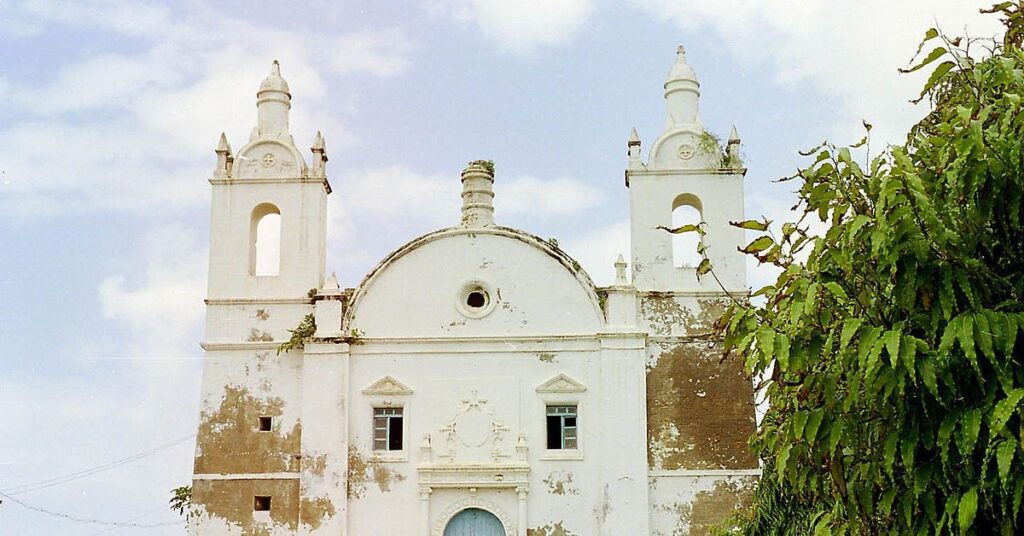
[[893, 355]]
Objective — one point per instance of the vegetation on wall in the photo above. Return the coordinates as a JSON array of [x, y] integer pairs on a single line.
[[303, 331], [181, 500], [893, 355], [710, 144]]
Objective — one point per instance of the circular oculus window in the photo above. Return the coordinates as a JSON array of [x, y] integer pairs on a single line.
[[475, 300]]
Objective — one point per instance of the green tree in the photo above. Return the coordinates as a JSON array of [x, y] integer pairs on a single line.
[[891, 355]]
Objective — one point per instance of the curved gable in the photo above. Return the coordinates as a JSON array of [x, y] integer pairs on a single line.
[[487, 282]]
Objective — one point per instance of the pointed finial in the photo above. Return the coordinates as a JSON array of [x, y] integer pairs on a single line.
[[319, 150], [332, 282], [680, 51], [223, 146], [734, 137], [633, 147], [275, 68], [225, 160], [620, 271]]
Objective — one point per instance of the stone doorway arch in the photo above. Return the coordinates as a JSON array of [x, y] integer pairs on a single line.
[[474, 522]]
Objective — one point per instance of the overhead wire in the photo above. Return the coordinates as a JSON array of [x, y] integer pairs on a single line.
[[9, 493], [122, 524], [50, 482]]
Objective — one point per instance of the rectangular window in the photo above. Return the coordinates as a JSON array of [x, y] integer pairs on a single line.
[[562, 427], [261, 503], [387, 428], [265, 424]]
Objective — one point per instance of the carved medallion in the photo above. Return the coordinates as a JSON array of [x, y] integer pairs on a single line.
[[269, 159], [685, 151]]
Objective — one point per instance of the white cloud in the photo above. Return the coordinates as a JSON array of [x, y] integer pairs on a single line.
[[135, 130], [597, 250], [162, 305], [404, 200], [522, 26], [560, 196], [849, 51]]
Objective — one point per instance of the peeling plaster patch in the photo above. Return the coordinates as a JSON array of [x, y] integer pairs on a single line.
[[682, 512], [700, 410], [231, 501], [546, 357], [228, 441], [315, 464], [560, 483], [356, 473], [663, 311], [262, 314], [384, 476], [256, 335], [361, 471], [710, 508], [550, 530], [314, 512]]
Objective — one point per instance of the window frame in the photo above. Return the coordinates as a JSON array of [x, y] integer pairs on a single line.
[[389, 413], [562, 412]]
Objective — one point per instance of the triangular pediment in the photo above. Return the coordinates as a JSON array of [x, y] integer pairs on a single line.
[[561, 384], [387, 386]]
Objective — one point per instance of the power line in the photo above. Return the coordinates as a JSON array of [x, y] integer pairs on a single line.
[[50, 482], [70, 517], [140, 516]]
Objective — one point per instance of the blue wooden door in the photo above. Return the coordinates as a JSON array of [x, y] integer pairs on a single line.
[[474, 522]]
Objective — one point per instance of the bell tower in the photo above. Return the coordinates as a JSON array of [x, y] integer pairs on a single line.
[[687, 170], [700, 406], [267, 251], [269, 209]]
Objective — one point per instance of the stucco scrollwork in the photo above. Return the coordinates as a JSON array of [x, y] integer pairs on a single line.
[[475, 434], [454, 508]]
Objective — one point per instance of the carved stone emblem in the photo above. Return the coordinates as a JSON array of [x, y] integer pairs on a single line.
[[269, 159], [685, 151], [474, 434]]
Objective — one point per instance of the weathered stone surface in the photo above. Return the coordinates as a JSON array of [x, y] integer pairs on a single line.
[[699, 409]]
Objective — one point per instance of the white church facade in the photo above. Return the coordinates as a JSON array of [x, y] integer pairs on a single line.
[[476, 381]]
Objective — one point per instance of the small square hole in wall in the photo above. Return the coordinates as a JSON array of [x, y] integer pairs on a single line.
[[261, 503], [265, 424]]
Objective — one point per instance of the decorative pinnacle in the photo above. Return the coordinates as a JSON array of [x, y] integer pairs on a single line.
[[332, 282], [620, 271], [275, 68], [223, 146], [634, 138], [734, 137], [318, 143]]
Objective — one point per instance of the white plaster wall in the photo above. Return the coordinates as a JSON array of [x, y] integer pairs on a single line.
[[612, 465], [235, 322], [651, 195], [303, 207], [415, 294]]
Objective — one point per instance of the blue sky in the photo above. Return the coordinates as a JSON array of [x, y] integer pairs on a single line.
[[109, 113]]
